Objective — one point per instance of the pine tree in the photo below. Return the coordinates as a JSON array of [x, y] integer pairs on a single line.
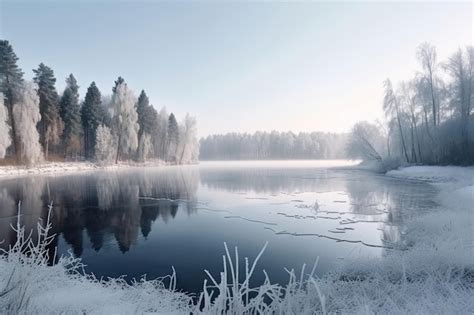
[[91, 117], [11, 80], [142, 105], [173, 138], [71, 116], [159, 135], [51, 125], [147, 119]]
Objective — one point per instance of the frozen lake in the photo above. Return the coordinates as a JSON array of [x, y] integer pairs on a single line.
[[144, 220]]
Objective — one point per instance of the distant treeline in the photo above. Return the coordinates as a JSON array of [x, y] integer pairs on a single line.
[[428, 118], [273, 145]]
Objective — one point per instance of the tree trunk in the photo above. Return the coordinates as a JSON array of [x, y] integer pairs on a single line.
[[16, 147], [465, 138], [417, 139], [433, 102], [182, 153], [87, 144], [413, 151], [118, 149], [46, 149], [404, 148], [434, 107], [139, 147], [388, 146]]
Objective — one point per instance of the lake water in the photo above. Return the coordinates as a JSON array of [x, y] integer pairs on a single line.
[[142, 221]]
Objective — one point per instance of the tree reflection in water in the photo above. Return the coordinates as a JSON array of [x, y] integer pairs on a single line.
[[106, 204]]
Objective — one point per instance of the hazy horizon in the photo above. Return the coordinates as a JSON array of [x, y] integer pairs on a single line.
[[239, 67]]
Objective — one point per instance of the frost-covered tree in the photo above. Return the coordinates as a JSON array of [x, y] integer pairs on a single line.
[[51, 125], [11, 81], [366, 142], [273, 145], [107, 111], [460, 67], [91, 115], [117, 82], [173, 139], [26, 114], [145, 147], [188, 148], [429, 117], [125, 120], [105, 146], [70, 112], [391, 106], [5, 139], [409, 103], [427, 57]]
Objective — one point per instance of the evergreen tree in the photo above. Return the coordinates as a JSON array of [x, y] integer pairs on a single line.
[[51, 125], [119, 81], [71, 115], [147, 118], [11, 80], [160, 135], [142, 105], [173, 138], [91, 112]]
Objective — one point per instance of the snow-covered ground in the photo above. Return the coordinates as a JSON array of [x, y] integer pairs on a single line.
[[439, 175], [435, 274], [456, 185], [69, 167]]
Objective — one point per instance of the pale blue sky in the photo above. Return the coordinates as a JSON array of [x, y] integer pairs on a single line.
[[238, 66]]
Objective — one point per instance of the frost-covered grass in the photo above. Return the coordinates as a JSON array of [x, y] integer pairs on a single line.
[[69, 167], [435, 274], [28, 285]]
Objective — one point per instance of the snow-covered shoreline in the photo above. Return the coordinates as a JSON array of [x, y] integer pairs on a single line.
[[60, 168], [455, 184]]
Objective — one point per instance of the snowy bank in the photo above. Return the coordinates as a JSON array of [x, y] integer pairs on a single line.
[[439, 175], [455, 184], [444, 237], [70, 167]]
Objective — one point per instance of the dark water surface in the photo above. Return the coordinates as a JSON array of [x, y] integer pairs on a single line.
[[142, 221]]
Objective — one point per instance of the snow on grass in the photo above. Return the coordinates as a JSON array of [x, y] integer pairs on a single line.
[[453, 175], [29, 286], [68, 167], [435, 274]]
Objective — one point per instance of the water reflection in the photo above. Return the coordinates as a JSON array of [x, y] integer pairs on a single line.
[[349, 196], [151, 215], [118, 204], [272, 180]]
